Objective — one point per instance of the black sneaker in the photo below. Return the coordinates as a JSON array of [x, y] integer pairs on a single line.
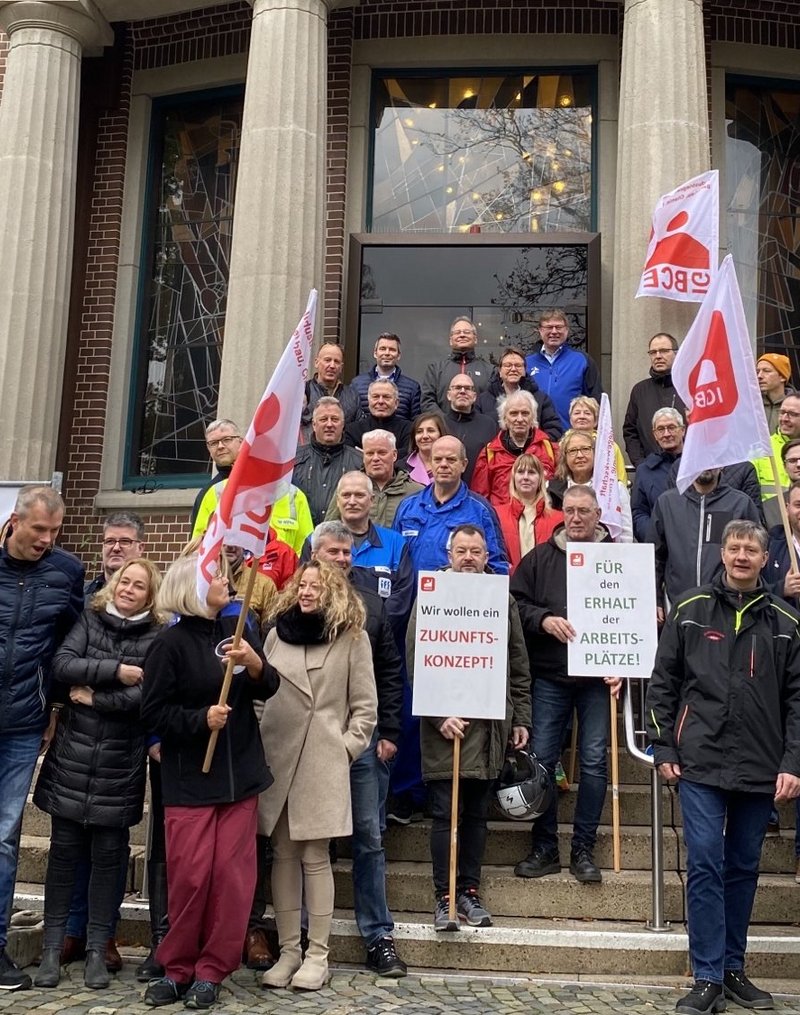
[[11, 976], [164, 991], [704, 997], [739, 989], [441, 915], [583, 868], [539, 862], [201, 994], [383, 959], [470, 909], [399, 811]]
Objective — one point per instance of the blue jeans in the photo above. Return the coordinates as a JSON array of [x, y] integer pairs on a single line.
[[552, 707], [723, 831], [369, 784], [18, 754]]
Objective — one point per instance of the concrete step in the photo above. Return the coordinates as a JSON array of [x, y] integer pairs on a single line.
[[37, 823], [552, 947]]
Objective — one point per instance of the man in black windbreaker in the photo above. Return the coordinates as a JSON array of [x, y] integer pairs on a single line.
[[723, 715]]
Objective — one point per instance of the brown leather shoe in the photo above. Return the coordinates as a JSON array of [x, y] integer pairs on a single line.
[[113, 957], [73, 949], [258, 954]]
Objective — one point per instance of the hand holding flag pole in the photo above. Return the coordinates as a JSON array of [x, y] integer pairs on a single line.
[[261, 474]]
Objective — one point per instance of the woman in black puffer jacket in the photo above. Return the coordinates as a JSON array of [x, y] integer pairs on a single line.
[[93, 776]]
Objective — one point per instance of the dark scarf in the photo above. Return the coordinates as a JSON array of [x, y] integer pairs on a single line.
[[510, 446], [298, 628]]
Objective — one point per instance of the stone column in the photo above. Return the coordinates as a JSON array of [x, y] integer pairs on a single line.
[[278, 228], [663, 140], [38, 160]]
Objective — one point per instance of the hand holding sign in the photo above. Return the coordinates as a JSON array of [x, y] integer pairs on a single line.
[[559, 627]]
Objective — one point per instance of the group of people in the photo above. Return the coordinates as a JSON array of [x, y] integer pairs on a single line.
[[481, 468]]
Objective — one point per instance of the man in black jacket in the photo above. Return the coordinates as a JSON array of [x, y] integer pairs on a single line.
[[723, 715], [369, 773], [539, 586], [473, 429], [320, 464], [41, 597], [462, 360], [654, 392]]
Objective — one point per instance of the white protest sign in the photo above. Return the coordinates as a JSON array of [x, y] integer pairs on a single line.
[[461, 646], [611, 603]]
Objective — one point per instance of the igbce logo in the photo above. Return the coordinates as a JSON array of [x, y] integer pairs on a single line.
[[427, 584], [712, 383], [576, 560]]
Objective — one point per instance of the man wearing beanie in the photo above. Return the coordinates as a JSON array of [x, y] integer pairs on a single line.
[[773, 372]]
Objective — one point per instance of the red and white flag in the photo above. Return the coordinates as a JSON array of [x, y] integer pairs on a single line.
[[715, 375], [684, 238], [604, 476], [263, 468]]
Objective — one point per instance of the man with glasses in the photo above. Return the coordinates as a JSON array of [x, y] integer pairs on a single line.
[[291, 515], [560, 370], [510, 378], [539, 586], [387, 368], [788, 430], [652, 474], [462, 360], [473, 429], [654, 392], [123, 540]]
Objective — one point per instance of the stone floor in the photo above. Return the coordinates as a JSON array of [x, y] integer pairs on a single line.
[[354, 992]]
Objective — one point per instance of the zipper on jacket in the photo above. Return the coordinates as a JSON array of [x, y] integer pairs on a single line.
[[10, 645], [700, 540]]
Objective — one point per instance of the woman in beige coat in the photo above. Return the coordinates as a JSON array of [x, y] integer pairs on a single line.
[[320, 720]]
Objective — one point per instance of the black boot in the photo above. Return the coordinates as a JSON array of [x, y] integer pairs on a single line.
[[150, 969], [49, 972], [95, 974]]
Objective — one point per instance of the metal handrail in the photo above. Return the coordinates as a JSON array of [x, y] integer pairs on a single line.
[[657, 923]]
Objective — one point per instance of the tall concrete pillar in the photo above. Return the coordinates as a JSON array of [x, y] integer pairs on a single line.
[[663, 140], [38, 161], [278, 229]]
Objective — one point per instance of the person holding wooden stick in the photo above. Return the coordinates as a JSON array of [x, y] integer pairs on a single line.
[[539, 586], [483, 745], [210, 818]]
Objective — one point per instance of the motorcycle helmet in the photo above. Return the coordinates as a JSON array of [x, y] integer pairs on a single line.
[[525, 788]]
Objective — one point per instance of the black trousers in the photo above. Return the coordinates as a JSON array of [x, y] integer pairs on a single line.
[[473, 805], [70, 841]]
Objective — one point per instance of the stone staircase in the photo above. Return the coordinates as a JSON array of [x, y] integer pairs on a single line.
[[551, 925]]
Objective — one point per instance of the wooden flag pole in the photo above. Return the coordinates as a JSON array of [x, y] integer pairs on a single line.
[[615, 786], [226, 683], [454, 830], [787, 529]]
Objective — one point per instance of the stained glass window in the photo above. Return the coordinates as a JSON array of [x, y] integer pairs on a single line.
[[193, 159], [482, 153], [762, 188]]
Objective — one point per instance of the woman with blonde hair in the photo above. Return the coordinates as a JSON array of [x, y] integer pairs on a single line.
[[584, 412], [528, 517], [576, 466], [210, 818], [321, 720], [93, 776]]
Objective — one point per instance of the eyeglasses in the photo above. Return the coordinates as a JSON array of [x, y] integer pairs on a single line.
[[791, 461], [462, 387], [579, 451], [124, 544], [660, 430], [222, 442]]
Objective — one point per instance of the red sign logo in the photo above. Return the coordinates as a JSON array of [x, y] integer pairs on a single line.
[[576, 560], [427, 584], [712, 383]]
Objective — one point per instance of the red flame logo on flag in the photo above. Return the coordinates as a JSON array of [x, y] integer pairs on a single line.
[[712, 383]]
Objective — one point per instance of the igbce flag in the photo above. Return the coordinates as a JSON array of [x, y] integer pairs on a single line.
[[263, 468], [715, 375], [684, 237], [604, 476]]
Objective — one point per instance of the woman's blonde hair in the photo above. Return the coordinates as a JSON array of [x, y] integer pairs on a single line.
[[530, 463], [562, 469], [106, 594], [178, 592], [587, 402], [340, 604]]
